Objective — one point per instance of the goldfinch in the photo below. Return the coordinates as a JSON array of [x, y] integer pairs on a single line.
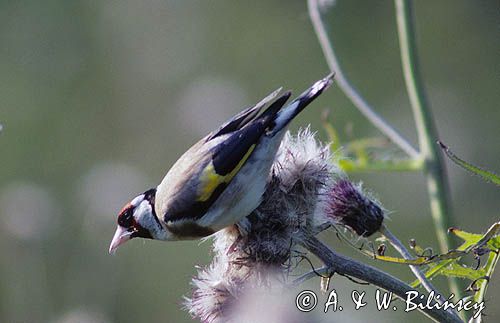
[[219, 180]]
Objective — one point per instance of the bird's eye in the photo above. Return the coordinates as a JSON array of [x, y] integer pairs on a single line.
[[126, 218]]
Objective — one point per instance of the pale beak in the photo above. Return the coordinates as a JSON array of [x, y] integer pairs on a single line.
[[121, 236]]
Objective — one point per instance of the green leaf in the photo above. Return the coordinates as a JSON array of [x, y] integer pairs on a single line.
[[486, 175], [466, 236], [490, 238], [459, 271], [447, 264], [494, 243]]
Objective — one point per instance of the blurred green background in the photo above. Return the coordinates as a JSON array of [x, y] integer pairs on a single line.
[[99, 98]]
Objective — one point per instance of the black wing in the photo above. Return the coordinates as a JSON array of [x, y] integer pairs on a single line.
[[228, 154], [243, 118], [227, 158]]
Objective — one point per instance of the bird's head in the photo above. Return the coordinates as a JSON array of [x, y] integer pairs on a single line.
[[138, 219]]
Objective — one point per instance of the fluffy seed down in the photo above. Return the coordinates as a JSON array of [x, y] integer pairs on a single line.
[[262, 248]]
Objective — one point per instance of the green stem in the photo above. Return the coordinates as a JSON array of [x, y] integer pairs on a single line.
[[426, 130], [343, 83], [479, 296], [405, 165]]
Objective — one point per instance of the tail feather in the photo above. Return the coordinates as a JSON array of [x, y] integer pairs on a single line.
[[286, 114]]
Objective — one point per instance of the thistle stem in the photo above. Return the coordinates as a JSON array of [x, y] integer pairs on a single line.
[[406, 255], [394, 241], [345, 266], [426, 130], [344, 84]]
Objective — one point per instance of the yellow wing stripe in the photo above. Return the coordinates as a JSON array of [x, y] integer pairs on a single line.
[[210, 179]]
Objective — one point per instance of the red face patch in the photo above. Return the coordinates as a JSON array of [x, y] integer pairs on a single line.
[[126, 216], [124, 208]]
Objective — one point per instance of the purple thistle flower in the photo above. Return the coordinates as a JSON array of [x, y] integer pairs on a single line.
[[348, 205]]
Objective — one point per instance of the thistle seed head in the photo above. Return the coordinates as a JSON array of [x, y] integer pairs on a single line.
[[348, 205], [260, 250]]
